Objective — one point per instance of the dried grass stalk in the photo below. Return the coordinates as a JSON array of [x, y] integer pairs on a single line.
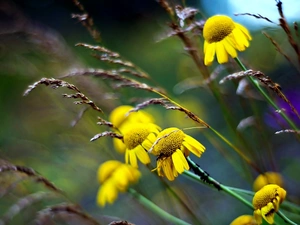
[[22, 203], [277, 46], [105, 134], [64, 210], [31, 173], [55, 83], [263, 79], [257, 16], [287, 131], [87, 21], [286, 28]]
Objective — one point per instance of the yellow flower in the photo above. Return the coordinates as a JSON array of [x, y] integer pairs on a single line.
[[119, 116], [222, 36], [120, 119], [244, 220], [267, 178], [172, 146], [137, 139], [266, 202], [114, 177]]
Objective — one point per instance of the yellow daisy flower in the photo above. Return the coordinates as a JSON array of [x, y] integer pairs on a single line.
[[137, 138], [222, 36], [244, 220], [114, 177], [171, 146], [120, 118], [266, 202], [267, 178]]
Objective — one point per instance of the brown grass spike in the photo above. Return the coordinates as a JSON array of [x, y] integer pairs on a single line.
[[277, 46], [31, 173], [265, 80], [66, 209], [105, 134], [287, 30], [22, 203], [87, 21], [55, 83]]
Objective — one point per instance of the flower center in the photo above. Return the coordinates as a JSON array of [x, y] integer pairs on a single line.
[[169, 141], [217, 28], [135, 137]]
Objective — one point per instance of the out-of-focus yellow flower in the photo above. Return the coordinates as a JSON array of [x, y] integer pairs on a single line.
[[114, 177], [120, 115], [137, 138], [120, 118], [244, 220], [171, 146], [267, 178], [266, 202], [222, 36]]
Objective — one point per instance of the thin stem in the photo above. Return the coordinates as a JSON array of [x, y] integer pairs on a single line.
[[203, 177], [208, 180], [202, 122], [246, 158], [269, 100], [287, 220], [155, 209]]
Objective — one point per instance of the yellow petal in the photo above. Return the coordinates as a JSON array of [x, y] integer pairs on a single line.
[[106, 169], [132, 158], [119, 145], [147, 144], [127, 156], [257, 216], [167, 168], [222, 55], [142, 155], [193, 145], [244, 30], [268, 213], [240, 40], [209, 53], [229, 48], [106, 193], [179, 161]]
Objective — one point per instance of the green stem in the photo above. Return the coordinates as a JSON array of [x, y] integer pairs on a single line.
[[246, 158], [269, 100], [203, 177], [155, 209], [208, 180], [286, 220]]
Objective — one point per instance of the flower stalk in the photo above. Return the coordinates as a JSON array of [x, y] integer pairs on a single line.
[[155, 209]]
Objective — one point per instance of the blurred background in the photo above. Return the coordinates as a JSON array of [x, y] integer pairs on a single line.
[[42, 130]]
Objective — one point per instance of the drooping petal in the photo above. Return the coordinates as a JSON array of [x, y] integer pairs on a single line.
[[222, 55], [240, 40], [210, 54], [147, 144], [119, 145], [132, 158], [106, 193], [244, 30], [167, 168], [257, 216], [193, 145], [179, 161], [268, 213], [142, 155], [106, 169], [229, 48]]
